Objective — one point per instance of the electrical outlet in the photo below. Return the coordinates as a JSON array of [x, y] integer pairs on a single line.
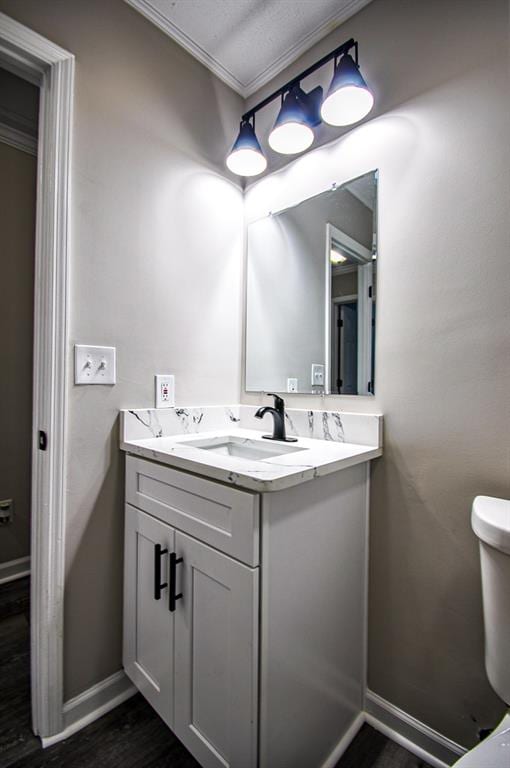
[[94, 365], [165, 390], [317, 375], [292, 385], [6, 511]]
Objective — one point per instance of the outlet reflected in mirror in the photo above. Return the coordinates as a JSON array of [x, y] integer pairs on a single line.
[[311, 294]]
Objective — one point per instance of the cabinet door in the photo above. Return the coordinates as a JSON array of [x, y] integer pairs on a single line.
[[216, 655], [148, 623]]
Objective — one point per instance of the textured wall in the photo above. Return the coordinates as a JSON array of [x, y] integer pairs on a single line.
[[439, 136], [156, 265], [17, 225]]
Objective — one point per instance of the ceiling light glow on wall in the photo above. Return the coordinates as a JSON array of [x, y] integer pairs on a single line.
[[347, 101], [246, 157]]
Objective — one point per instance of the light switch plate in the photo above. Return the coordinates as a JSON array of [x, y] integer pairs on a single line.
[[165, 390], [94, 365], [292, 385]]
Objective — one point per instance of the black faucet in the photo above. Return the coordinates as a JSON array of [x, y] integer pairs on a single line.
[[278, 414]]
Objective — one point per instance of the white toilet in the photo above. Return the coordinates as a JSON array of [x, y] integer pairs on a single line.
[[490, 519]]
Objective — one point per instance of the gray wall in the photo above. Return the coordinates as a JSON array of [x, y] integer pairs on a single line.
[[440, 137], [156, 260], [17, 226]]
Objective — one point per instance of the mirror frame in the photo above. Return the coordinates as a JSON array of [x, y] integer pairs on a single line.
[[328, 304]]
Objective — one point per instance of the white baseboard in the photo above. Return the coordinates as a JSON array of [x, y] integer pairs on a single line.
[[410, 733], [14, 569], [397, 725], [92, 704], [344, 741]]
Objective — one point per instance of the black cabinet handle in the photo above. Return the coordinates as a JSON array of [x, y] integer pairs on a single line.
[[174, 561], [158, 586]]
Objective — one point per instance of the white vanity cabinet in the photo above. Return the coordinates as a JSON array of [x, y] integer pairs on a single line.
[[191, 625], [259, 661]]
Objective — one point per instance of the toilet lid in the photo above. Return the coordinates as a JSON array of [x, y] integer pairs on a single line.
[[490, 519], [494, 752]]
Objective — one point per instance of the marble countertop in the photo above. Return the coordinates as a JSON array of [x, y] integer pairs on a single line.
[[318, 458]]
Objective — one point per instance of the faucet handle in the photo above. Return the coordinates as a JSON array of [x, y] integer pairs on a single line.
[[279, 402]]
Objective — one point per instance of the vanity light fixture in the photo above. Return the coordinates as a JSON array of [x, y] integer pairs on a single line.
[[347, 101]]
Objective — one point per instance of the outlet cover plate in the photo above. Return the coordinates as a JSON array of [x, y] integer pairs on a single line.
[[165, 390], [94, 365], [317, 375]]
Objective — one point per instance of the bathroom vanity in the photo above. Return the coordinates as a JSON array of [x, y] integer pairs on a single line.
[[245, 580]]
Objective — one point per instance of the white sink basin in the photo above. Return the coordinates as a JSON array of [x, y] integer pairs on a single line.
[[243, 447]]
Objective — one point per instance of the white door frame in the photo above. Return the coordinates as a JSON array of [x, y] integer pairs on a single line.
[[28, 55]]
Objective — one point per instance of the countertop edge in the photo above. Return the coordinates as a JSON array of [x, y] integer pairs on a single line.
[[245, 482]]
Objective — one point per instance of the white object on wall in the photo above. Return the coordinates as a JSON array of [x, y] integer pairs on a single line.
[[292, 385], [317, 375], [94, 365], [165, 390]]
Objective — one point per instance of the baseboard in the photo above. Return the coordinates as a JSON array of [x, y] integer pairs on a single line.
[[397, 725], [14, 569], [344, 741], [92, 704], [410, 733]]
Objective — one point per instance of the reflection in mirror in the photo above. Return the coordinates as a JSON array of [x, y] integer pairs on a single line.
[[311, 292]]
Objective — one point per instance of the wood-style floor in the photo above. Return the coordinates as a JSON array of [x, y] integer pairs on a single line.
[[132, 735]]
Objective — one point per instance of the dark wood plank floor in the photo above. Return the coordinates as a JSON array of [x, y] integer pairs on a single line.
[[132, 735]]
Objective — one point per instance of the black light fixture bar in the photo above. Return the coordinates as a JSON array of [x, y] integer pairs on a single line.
[[347, 101], [333, 55]]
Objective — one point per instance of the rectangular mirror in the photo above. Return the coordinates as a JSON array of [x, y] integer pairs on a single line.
[[311, 294]]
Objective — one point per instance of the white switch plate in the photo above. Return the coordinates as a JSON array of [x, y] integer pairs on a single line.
[[165, 390], [317, 375], [94, 365], [292, 385]]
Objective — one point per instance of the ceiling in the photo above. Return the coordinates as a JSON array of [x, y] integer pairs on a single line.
[[247, 42]]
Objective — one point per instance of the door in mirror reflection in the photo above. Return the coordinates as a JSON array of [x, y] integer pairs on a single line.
[[311, 294]]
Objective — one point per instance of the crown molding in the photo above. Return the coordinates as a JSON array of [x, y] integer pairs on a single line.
[[173, 31], [245, 90]]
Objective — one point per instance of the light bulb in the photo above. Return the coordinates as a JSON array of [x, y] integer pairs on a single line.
[[246, 162], [347, 105], [291, 138]]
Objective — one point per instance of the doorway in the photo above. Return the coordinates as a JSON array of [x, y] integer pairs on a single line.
[[19, 107], [346, 348], [31, 57]]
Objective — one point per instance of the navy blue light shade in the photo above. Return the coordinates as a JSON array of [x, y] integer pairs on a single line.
[[299, 113], [348, 98], [246, 157], [247, 139], [346, 73], [300, 107]]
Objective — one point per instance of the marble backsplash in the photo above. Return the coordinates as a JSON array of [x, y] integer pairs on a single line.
[[339, 426]]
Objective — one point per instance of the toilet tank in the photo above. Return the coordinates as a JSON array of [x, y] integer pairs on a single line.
[[490, 520]]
